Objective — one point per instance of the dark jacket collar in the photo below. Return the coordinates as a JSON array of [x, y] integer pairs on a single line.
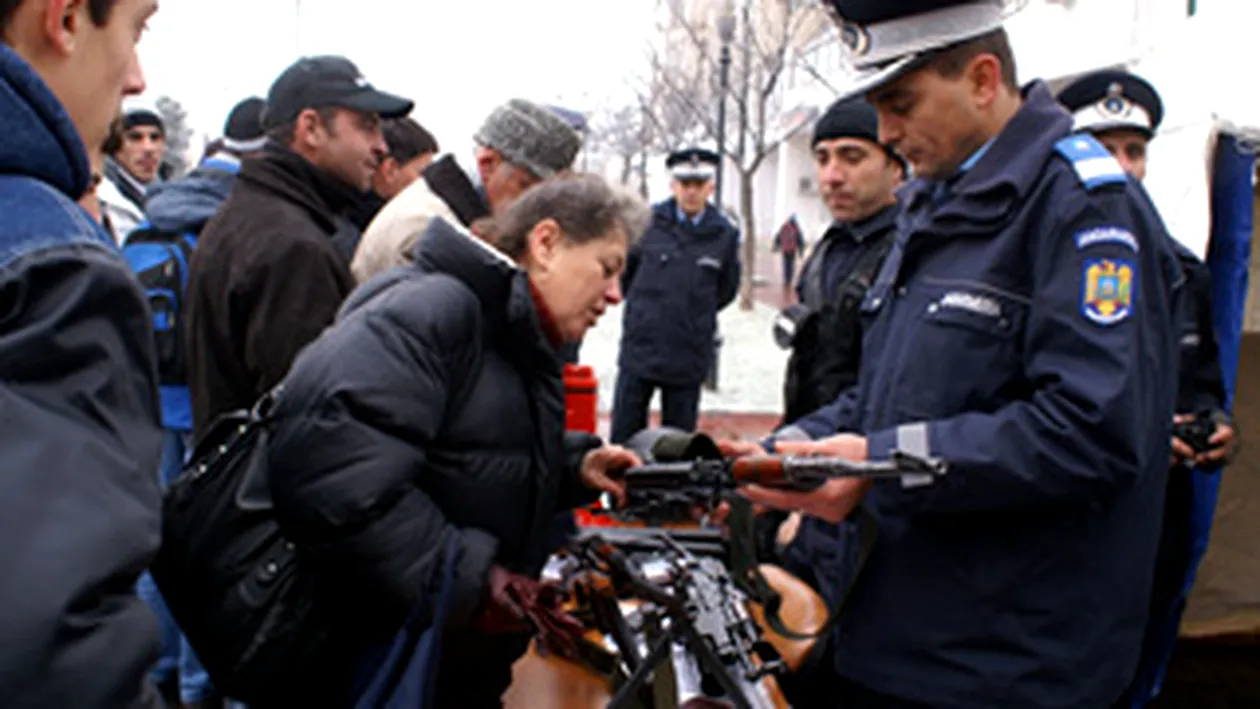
[[877, 223], [1008, 170], [665, 214], [500, 285], [288, 175], [38, 139], [1013, 163], [449, 182]]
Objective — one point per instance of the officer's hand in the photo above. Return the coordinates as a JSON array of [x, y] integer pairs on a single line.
[[740, 448], [1222, 442], [602, 466], [844, 445], [833, 501], [1181, 451]]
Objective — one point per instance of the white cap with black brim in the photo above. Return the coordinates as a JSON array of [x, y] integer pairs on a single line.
[[883, 51], [1111, 114], [693, 171]]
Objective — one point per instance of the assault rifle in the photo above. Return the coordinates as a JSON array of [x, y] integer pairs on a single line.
[[685, 473], [662, 492], [692, 614]]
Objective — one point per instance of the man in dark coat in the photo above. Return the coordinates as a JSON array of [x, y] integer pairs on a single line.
[[679, 276], [267, 275], [1123, 111], [1022, 331], [857, 179], [80, 436]]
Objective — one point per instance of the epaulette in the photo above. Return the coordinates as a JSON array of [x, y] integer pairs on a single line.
[[1093, 164]]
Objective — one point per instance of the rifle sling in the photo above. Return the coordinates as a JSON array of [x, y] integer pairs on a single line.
[[749, 579]]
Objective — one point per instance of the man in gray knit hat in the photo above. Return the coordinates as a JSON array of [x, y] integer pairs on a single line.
[[519, 145]]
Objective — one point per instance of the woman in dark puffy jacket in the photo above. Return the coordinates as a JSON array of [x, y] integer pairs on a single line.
[[434, 410]]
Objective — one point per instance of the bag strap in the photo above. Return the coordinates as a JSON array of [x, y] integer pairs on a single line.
[[397, 658], [864, 272]]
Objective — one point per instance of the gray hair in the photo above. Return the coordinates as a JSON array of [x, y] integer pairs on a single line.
[[584, 205]]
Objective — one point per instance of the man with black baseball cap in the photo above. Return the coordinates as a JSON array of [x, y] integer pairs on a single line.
[[268, 274], [1021, 332]]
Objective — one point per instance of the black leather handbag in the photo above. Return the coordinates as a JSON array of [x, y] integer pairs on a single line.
[[231, 580]]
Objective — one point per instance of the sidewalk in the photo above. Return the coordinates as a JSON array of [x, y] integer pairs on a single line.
[[749, 399]]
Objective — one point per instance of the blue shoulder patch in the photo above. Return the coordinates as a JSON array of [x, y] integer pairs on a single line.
[[1093, 164]]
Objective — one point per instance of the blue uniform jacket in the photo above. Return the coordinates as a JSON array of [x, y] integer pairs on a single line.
[[79, 432], [1022, 329], [676, 280]]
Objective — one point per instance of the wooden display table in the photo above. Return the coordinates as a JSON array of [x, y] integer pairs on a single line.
[[553, 683]]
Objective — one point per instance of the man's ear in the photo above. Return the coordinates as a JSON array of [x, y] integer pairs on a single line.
[[309, 129], [985, 74], [488, 161], [62, 22]]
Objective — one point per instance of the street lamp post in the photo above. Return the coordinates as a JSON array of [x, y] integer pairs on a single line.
[[726, 32]]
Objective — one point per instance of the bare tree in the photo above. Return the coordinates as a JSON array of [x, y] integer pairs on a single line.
[[619, 131], [670, 107], [767, 42], [679, 93]]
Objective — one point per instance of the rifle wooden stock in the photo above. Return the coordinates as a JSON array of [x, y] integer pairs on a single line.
[[764, 470]]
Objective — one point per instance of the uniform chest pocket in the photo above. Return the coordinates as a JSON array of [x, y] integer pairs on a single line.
[[982, 314], [659, 268], [965, 352]]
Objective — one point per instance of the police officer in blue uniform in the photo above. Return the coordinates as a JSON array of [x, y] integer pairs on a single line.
[[857, 179], [1021, 330], [678, 277], [1123, 112]]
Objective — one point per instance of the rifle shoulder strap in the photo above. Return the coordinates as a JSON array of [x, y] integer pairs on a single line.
[[749, 579]]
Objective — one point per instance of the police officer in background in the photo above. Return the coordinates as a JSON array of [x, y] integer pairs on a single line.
[[682, 272], [857, 179], [1123, 112], [1021, 331]]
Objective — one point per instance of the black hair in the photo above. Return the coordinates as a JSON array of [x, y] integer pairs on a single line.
[[407, 139], [98, 10], [284, 134], [951, 61]]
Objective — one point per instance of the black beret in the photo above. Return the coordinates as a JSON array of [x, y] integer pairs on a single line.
[[852, 118], [1104, 100], [847, 118]]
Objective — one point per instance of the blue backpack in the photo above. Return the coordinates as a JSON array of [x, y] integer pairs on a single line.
[[160, 261]]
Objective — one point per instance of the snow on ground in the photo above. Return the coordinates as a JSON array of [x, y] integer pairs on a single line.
[[750, 373]]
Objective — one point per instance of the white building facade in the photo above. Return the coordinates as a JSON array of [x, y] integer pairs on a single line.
[[1052, 39]]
